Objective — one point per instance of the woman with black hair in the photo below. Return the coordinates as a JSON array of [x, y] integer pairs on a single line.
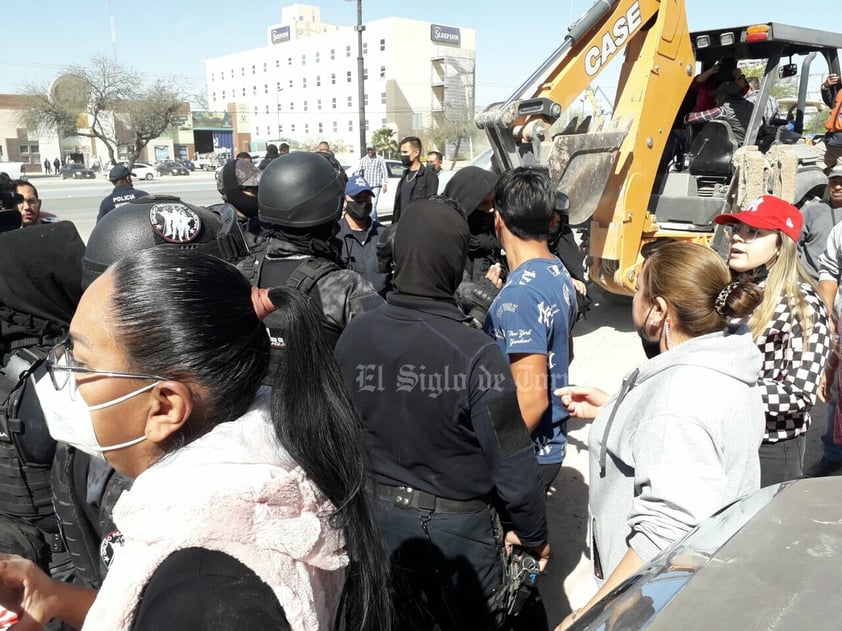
[[240, 517]]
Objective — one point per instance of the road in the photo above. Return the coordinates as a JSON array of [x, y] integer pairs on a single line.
[[78, 200]]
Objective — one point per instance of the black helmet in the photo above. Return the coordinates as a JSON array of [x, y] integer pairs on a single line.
[[300, 190], [146, 222]]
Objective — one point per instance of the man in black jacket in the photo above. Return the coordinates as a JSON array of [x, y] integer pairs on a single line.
[[418, 181], [445, 438]]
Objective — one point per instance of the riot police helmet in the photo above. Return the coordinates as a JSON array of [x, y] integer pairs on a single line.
[[165, 221], [300, 190]]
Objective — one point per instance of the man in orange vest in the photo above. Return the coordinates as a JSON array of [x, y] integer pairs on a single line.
[[832, 96]]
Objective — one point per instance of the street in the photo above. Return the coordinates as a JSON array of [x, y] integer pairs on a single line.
[[78, 200]]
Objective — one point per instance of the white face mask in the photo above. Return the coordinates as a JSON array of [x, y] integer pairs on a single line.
[[69, 418]]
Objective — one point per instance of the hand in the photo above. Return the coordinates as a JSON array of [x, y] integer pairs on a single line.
[[582, 401], [384, 187], [541, 553], [832, 79], [580, 287], [493, 274], [27, 591]]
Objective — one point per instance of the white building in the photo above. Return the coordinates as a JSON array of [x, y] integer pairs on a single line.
[[302, 85]]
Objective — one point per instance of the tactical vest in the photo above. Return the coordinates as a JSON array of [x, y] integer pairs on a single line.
[[26, 447]]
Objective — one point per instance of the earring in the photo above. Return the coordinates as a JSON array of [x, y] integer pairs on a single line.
[[667, 333]]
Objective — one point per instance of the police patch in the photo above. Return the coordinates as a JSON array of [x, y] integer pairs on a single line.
[[109, 546], [174, 222]]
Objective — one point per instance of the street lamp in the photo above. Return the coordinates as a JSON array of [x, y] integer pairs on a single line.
[[359, 28]]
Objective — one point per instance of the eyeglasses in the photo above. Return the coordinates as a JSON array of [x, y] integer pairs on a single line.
[[62, 368], [747, 233]]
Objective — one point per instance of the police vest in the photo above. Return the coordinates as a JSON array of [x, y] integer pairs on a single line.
[[26, 447]]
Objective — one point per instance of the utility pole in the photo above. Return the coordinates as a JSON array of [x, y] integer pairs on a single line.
[[360, 75]]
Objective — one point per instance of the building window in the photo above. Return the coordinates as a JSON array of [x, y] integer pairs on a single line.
[[292, 128], [321, 130], [317, 57], [350, 125], [333, 103], [255, 109], [350, 101], [365, 99], [279, 107], [347, 51], [244, 91], [264, 66], [382, 72], [211, 76], [267, 109], [365, 48], [289, 61], [366, 125], [332, 78], [242, 71], [277, 63], [280, 129], [349, 76], [290, 83], [335, 127], [306, 128], [291, 106], [278, 86], [383, 98], [303, 60], [332, 54], [213, 97], [365, 74], [382, 44], [383, 122], [318, 81], [252, 69], [265, 88], [223, 95], [232, 73], [304, 82], [305, 106], [319, 104]]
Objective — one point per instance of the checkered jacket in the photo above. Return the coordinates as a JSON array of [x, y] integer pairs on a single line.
[[792, 369]]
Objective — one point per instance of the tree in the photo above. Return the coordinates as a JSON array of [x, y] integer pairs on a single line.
[[103, 100], [457, 128], [384, 142]]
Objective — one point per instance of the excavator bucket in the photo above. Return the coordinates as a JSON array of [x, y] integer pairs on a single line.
[[580, 165]]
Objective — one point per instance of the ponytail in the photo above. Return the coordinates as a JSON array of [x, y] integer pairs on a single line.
[[315, 420]]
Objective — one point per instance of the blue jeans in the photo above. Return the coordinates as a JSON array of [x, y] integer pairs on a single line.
[[377, 190]]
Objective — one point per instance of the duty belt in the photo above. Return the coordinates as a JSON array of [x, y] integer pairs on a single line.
[[407, 497]]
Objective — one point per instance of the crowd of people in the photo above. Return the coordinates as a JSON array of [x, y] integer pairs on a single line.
[[278, 412]]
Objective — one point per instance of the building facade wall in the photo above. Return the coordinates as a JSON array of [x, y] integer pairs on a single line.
[[304, 86]]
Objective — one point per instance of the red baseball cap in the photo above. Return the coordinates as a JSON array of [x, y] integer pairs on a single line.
[[768, 213]]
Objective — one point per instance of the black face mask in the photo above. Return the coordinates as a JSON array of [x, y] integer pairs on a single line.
[[650, 348], [406, 161], [359, 210], [246, 204]]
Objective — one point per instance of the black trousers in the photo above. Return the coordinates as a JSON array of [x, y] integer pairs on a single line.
[[447, 575]]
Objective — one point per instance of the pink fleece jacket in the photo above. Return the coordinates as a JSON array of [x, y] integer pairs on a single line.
[[234, 490]]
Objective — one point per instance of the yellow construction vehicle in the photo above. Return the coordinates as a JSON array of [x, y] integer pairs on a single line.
[[617, 175]]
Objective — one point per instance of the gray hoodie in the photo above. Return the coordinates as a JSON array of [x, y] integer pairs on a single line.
[[679, 442]]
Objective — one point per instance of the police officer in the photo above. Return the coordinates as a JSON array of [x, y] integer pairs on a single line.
[[444, 434], [85, 489], [300, 199], [39, 289]]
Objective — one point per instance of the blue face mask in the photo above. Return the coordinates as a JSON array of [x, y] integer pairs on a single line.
[[69, 417]]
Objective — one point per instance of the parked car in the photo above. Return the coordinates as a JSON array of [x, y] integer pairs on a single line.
[[188, 164], [140, 171], [386, 203], [768, 561], [76, 171], [172, 167]]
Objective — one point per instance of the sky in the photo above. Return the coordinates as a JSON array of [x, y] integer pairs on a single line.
[[159, 38]]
